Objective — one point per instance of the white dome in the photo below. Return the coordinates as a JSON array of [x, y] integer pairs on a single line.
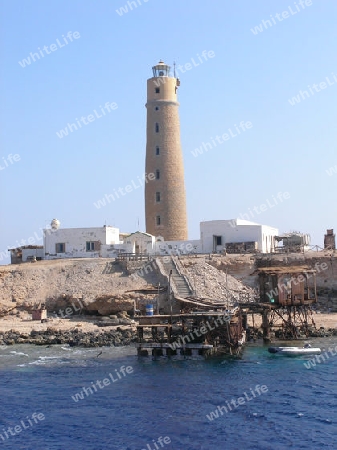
[[55, 224]]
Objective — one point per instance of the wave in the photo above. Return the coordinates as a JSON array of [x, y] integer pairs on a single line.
[[19, 353]]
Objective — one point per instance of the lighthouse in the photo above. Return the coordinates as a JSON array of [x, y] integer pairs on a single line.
[[165, 199]]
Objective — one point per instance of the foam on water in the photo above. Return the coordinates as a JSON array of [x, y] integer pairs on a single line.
[[166, 397]]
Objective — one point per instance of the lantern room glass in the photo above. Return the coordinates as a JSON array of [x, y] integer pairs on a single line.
[[161, 70]]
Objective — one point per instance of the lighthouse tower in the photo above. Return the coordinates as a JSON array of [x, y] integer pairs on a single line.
[[165, 202]]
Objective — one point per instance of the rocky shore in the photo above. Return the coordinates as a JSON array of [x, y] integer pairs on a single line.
[[254, 333], [101, 333], [112, 338], [75, 338]]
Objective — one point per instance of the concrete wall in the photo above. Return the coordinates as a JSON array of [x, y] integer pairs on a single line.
[[236, 230], [178, 247], [140, 242], [112, 235], [267, 241], [75, 240], [31, 252]]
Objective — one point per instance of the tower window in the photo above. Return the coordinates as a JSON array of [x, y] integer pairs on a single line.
[[157, 90], [157, 127], [157, 151], [157, 196], [157, 174], [158, 220]]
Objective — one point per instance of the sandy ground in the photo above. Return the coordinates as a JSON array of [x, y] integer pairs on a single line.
[[321, 320], [87, 325], [27, 325]]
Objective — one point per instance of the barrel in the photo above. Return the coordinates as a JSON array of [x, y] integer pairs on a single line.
[[149, 310]]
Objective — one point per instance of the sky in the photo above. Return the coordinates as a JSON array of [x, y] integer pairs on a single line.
[[270, 67]]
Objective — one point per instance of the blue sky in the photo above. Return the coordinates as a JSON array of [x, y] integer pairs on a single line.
[[253, 74]]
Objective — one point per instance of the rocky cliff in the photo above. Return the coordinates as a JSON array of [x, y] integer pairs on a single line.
[[102, 286]]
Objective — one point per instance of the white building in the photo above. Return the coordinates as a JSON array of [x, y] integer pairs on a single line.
[[81, 242], [139, 242], [218, 235], [235, 236]]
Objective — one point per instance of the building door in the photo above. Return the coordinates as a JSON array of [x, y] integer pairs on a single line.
[[217, 240]]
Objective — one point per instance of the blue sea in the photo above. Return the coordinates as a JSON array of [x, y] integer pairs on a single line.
[[141, 404]]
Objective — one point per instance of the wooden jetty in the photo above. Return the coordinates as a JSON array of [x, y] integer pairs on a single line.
[[199, 333]]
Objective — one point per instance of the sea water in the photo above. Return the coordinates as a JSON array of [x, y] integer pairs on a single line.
[[60, 398]]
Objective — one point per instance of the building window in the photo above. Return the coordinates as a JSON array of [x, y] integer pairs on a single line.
[[157, 196], [157, 174], [157, 108], [90, 246], [60, 247], [158, 220], [218, 240], [157, 127], [157, 90], [157, 151]]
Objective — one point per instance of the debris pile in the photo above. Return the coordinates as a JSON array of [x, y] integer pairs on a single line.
[[213, 284]]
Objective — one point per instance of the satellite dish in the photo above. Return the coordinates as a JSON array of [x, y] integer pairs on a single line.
[[55, 224]]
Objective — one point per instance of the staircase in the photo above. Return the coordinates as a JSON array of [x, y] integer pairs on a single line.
[[179, 283]]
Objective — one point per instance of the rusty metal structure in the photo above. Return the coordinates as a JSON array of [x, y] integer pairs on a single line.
[[242, 247], [287, 295], [200, 333], [39, 312]]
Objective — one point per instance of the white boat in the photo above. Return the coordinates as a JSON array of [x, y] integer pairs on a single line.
[[295, 351]]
